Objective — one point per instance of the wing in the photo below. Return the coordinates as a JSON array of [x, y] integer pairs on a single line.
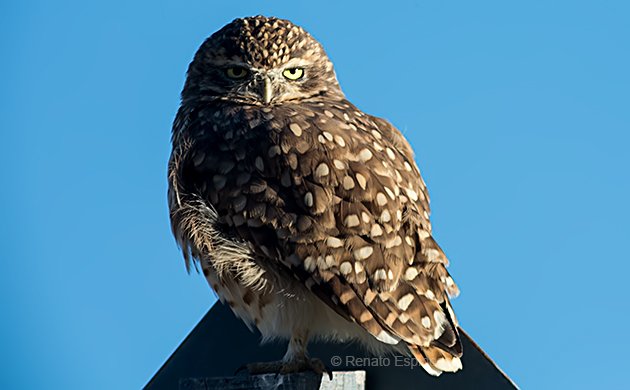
[[367, 234]]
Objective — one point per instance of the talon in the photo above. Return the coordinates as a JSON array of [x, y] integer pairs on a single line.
[[317, 366]]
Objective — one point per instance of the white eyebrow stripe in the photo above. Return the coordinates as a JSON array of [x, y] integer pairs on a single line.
[[296, 63]]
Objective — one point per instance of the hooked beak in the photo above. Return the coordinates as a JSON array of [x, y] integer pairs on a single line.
[[267, 90]]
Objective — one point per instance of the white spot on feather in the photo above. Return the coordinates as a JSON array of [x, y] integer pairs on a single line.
[[376, 230], [363, 253], [380, 274], [411, 273], [405, 301], [322, 170], [308, 199], [381, 200], [334, 242], [352, 221], [426, 322], [295, 129], [365, 155], [387, 338], [348, 183], [361, 180], [345, 267]]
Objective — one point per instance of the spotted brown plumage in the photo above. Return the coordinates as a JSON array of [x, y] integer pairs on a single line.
[[308, 216]]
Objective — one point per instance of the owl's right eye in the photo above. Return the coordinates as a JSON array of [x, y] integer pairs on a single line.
[[236, 72]]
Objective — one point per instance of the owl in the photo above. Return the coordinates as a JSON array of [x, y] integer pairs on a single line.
[[307, 216]]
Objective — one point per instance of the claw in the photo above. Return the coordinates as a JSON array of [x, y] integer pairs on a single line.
[[328, 371]]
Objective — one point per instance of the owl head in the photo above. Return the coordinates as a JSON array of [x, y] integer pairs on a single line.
[[260, 61]]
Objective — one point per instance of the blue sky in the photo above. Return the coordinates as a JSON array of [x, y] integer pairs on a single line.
[[518, 112]]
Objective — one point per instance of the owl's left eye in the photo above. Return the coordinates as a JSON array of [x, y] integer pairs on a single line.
[[236, 72], [293, 73]]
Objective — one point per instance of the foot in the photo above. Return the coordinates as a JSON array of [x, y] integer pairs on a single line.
[[292, 366]]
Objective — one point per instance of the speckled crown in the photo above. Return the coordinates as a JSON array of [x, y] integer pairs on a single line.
[[264, 41]]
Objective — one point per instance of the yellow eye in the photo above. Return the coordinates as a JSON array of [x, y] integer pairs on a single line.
[[293, 73], [236, 72]]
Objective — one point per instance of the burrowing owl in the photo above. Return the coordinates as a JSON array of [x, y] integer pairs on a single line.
[[308, 217]]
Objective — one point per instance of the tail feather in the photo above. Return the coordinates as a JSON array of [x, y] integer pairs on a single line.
[[435, 360], [450, 340], [442, 360], [424, 361], [444, 353]]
